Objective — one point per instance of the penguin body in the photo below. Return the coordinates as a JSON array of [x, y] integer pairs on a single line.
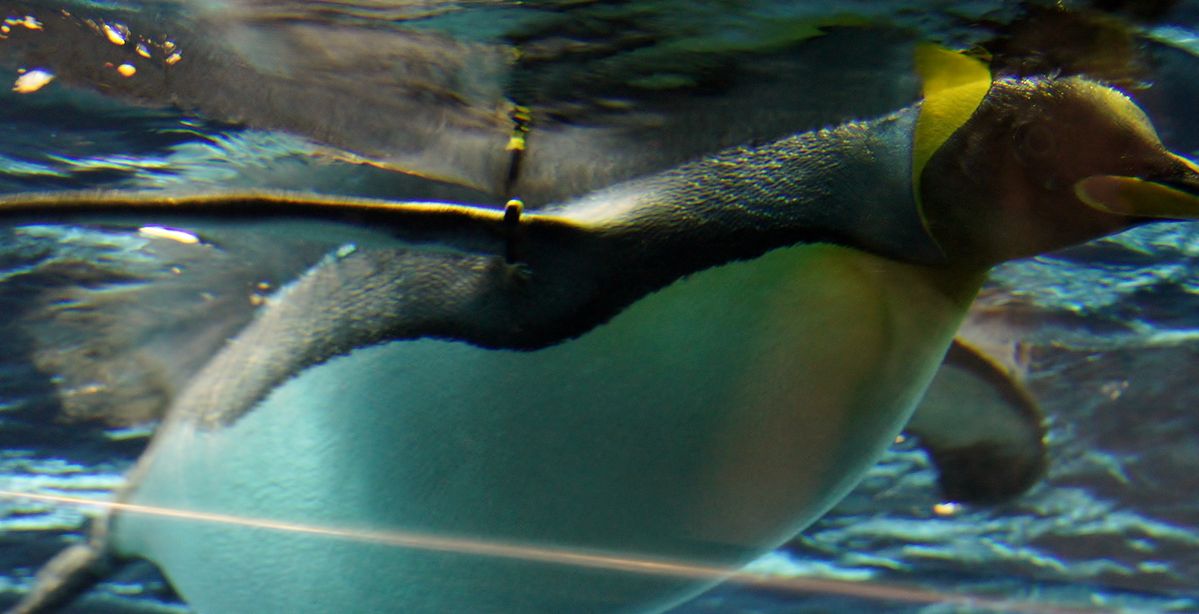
[[671, 374], [684, 429], [700, 422]]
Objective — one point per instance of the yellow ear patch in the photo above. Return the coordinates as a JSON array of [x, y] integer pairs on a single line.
[[954, 86]]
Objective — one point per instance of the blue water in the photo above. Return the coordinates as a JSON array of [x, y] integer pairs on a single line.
[[1109, 333]]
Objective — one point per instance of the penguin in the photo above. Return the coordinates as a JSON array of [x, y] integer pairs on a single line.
[[603, 404]]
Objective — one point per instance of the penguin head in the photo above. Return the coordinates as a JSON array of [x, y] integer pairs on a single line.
[[1043, 164]]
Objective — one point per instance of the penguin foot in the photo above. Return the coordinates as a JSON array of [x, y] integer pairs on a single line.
[[66, 576]]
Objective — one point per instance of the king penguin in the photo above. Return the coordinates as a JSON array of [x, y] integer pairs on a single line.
[[575, 409]]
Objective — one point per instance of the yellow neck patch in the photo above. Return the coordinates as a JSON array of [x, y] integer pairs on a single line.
[[954, 86]]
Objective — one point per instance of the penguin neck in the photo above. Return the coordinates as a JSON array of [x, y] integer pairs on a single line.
[[848, 185]]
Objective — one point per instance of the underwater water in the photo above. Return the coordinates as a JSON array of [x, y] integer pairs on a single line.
[[1107, 333]]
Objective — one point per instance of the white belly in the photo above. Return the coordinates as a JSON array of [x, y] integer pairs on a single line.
[[709, 423]]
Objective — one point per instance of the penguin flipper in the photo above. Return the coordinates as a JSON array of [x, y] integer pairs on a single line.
[[451, 97], [65, 577], [461, 95], [289, 215], [984, 432], [122, 318]]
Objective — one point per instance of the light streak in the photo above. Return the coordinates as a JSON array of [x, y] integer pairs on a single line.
[[32, 81], [116, 33], [586, 559], [162, 232]]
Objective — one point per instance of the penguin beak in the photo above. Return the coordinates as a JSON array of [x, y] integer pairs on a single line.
[[1170, 193]]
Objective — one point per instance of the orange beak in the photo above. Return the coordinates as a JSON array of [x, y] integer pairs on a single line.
[[1171, 194]]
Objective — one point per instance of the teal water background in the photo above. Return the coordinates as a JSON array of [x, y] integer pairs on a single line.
[[1110, 331]]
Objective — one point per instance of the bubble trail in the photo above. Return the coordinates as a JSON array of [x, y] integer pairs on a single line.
[[610, 561]]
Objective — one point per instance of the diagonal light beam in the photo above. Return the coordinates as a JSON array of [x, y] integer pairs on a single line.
[[627, 563]]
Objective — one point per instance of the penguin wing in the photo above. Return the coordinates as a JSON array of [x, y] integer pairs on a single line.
[[983, 430], [337, 83], [550, 105], [496, 278], [120, 311]]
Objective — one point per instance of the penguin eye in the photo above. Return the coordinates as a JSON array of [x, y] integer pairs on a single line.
[[1035, 142]]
